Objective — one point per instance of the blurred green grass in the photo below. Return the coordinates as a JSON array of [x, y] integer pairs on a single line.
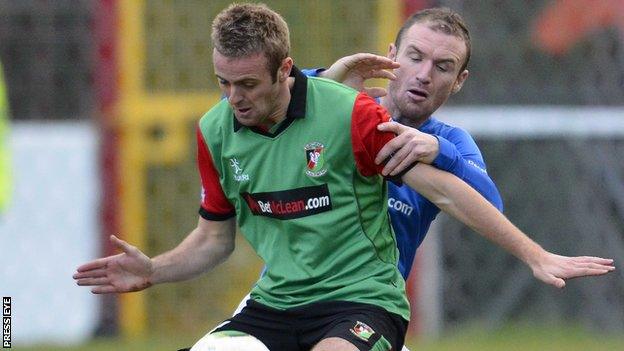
[[523, 337], [510, 338]]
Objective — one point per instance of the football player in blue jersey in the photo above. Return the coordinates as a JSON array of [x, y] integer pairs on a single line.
[[429, 57], [429, 60]]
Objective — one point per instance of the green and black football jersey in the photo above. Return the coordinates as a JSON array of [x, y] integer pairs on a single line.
[[308, 197]]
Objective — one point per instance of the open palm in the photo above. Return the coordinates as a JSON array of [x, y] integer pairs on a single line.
[[124, 272]]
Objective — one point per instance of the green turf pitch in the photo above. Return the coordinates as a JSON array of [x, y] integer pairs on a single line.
[[512, 338]]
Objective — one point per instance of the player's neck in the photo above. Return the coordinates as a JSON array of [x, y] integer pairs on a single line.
[[411, 122], [281, 105], [387, 103]]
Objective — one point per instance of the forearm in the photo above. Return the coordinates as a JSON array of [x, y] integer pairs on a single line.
[[203, 249], [456, 198]]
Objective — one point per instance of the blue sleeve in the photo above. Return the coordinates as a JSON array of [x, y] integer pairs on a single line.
[[460, 155], [312, 72]]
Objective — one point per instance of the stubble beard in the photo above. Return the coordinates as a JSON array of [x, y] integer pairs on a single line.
[[409, 114], [401, 110]]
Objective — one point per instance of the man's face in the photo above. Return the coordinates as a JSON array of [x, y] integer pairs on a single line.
[[430, 63], [248, 86]]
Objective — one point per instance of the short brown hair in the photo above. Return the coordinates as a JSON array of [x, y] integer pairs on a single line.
[[442, 19], [246, 29]]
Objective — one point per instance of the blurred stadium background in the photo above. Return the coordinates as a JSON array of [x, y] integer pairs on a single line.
[[104, 95]]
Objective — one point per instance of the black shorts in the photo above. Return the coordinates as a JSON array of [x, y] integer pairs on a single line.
[[368, 327]]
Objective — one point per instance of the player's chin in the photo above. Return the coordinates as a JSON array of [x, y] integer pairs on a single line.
[[413, 111], [246, 120]]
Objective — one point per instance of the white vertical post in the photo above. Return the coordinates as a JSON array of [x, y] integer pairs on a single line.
[[429, 284]]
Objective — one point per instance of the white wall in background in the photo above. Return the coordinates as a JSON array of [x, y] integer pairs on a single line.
[[50, 227]]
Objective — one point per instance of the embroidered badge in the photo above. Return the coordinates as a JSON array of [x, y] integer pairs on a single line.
[[315, 159], [362, 331]]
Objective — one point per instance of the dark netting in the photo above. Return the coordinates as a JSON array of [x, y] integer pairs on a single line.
[[47, 51], [568, 194], [508, 67]]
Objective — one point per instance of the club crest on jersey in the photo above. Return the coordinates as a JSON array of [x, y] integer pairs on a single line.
[[239, 176], [362, 331], [315, 159]]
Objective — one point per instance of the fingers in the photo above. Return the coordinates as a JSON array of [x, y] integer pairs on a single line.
[[360, 65], [388, 150], [102, 262], [550, 279], [591, 265], [401, 158], [584, 272], [104, 289], [598, 260], [122, 245], [93, 281], [378, 73], [95, 264], [588, 272], [94, 273], [392, 164], [405, 162], [558, 283], [405, 149], [391, 126], [390, 146], [560, 268], [576, 267], [584, 269], [371, 61]]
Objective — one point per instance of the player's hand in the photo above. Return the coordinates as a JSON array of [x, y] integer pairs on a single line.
[[125, 272], [354, 70], [555, 269], [410, 145]]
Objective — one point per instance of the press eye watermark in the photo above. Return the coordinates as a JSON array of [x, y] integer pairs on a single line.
[[6, 322]]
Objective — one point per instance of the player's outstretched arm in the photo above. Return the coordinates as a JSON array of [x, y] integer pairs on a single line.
[[205, 247], [459, 200], [355, 69]]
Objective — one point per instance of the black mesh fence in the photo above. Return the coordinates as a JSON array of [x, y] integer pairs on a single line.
[[47, 50], [509, 64], [568, 195]]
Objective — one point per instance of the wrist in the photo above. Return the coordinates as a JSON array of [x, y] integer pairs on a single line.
[[152, 277], [533, 256], [434, 143]]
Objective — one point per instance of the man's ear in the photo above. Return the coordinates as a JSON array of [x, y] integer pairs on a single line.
[[284, 71], [392, 51], [459, 82]]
